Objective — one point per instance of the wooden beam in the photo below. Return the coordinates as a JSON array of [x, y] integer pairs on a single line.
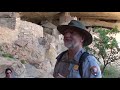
[[65, 18], [97, 15], [95, 22]]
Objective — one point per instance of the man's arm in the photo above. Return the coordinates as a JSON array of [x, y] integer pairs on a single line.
[[91, 68]]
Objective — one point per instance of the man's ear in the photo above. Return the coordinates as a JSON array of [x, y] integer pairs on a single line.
[[82, 39]]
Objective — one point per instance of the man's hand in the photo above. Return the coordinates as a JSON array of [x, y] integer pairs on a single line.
[[60, 76]]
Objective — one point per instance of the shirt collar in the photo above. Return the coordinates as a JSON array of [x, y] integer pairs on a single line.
[[78, 54]]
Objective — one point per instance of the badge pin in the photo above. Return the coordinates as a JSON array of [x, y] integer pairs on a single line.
[[76, 67]]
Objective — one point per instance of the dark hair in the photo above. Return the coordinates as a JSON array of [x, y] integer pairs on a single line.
[[7, 70]]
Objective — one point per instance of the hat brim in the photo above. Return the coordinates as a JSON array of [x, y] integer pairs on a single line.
[[88, 37]]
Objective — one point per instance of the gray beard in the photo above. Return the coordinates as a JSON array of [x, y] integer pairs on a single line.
[[69, 45]]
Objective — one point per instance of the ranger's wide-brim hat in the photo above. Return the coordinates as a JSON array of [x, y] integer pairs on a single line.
[[77, 25]]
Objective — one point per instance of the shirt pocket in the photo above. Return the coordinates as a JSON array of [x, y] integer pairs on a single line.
[[75, 73]]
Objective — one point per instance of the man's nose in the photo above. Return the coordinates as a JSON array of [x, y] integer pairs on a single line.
[[68, 34]]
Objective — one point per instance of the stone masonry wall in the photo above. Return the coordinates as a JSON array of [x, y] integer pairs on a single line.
[[34, 51]]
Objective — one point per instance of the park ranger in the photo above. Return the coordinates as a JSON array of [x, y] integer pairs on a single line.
[[76, 37]]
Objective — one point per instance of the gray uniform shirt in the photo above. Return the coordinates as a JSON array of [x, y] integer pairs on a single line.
[[91, 68]]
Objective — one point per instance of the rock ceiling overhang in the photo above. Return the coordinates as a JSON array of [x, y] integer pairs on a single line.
[[91, 15]]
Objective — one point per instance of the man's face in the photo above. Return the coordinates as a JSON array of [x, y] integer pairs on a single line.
[[72, 39], [8, 74]]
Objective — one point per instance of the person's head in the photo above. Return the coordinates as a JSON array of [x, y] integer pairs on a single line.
[[75, 34], [8, 73]]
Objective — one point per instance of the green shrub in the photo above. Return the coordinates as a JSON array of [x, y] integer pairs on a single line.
[[23, 61], [111, 72], [105, 46], [1, 49], [7, 55]]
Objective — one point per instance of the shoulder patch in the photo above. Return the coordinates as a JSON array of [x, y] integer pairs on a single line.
[[94, 70]]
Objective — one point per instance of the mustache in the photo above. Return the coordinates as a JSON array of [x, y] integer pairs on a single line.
[[67, 39]]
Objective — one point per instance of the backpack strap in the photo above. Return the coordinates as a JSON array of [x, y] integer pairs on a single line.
[[60, 56], [81, 60]]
